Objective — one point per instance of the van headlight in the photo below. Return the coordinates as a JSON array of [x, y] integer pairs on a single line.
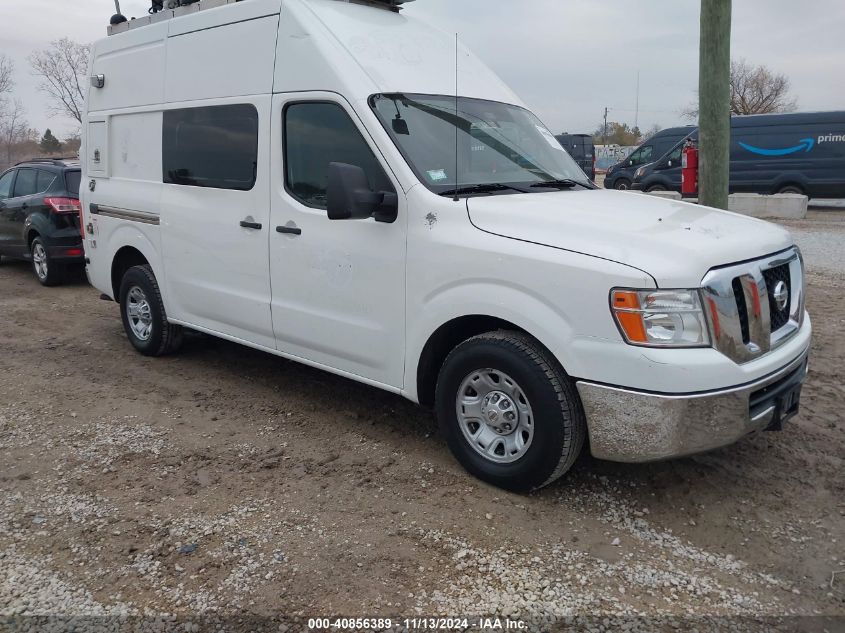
[[639, 173], [660, 318]]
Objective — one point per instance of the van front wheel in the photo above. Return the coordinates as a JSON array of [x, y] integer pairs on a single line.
[[143, 315], [509, 413]]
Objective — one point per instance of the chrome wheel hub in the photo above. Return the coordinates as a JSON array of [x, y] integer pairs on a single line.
[[39, 261], [499, 412], [494, 415], [138, 313]]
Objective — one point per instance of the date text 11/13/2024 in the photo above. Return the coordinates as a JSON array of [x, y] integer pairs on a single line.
[[417, 624]]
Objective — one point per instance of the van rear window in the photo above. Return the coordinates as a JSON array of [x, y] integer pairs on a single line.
[[215, 146]]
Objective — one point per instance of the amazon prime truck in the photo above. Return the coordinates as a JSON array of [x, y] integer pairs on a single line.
[[800, 153]]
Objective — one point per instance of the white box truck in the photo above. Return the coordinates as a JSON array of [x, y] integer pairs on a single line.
[[301, 176]]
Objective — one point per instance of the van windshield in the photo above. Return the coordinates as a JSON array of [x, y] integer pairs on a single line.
[[497, 144]]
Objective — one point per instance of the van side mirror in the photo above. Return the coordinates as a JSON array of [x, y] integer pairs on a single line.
[[669, 163], [349, 196]]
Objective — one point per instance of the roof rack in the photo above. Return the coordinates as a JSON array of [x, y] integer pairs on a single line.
[[53, 161], [185, 7]]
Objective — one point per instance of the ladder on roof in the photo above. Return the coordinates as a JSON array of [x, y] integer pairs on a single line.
[[204, 5]]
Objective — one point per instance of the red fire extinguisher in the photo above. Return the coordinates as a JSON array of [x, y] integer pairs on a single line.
[[689, 169]]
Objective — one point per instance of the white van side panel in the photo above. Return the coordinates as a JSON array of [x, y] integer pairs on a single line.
[[135, 147], [133, 65], [225, 14], [97, 154], [217, 272], [225, 61]]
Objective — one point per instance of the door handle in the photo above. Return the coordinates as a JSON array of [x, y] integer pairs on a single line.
[[251, 225], [289, 230]]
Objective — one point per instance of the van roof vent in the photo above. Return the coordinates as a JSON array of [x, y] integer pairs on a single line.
[[162, 10]]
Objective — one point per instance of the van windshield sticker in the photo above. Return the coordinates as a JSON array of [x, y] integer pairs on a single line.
[[805, 145], [436, 175], [550, 138]]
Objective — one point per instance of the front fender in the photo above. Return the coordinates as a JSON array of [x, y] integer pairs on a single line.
[[491, 298]]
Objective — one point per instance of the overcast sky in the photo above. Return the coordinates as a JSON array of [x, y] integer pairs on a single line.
[[567, 59]]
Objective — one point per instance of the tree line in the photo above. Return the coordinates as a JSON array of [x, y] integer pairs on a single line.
[[754, 90], [62, 70]]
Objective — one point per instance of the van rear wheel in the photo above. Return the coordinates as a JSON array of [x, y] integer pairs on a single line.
[[791, 189], [509, 413], [143, 314]]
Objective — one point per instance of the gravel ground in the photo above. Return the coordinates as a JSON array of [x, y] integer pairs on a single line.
[[227, 489]]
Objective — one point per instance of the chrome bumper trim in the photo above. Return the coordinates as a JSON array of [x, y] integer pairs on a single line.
[[634, 426]]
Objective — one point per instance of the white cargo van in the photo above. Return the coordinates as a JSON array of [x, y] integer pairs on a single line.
[[299, 176]]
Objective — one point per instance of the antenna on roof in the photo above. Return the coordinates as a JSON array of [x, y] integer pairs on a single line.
[[457, 118], [118, 17]]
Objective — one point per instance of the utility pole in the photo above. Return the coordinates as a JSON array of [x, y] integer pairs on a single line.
[[637, 115], [604, 138], [714, 110]]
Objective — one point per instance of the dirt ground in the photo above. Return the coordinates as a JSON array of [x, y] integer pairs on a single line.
[[227, 482]]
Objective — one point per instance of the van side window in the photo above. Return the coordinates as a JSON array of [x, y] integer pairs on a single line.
[[642, 155], [214, 146], [675, 156], [26, 182], [317, 134]]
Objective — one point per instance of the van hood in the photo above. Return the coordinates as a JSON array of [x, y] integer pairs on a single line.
[[676, 243]]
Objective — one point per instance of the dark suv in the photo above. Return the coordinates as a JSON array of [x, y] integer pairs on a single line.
[[582, 149], [40, 216]]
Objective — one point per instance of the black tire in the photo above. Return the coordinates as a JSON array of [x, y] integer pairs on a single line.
[[47, 271], [161, 337], [559, 424], [656, 188], [622, 184], [791, 189]]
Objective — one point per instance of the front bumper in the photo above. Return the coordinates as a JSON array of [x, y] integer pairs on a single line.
[[635, 426]]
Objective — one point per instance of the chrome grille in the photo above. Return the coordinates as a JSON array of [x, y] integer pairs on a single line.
[[742, 310], [773, 276], [745, 322]]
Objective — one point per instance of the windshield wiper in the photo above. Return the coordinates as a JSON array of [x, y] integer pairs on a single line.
[[483, 188], [563, 183]]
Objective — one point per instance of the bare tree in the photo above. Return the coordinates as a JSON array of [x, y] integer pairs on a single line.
[[757, 90], [63, 68], [7, 67], [14, 128], [754, 90]]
